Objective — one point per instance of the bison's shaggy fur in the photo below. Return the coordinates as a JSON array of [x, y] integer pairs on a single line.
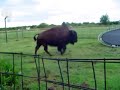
[[58, 36]]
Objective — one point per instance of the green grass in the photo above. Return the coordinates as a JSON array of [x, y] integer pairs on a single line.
[[87, 46]]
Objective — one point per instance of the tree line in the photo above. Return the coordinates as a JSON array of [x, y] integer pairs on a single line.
[[104, 20]]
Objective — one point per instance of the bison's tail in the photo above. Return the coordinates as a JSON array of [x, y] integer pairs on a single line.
[[35, 37]]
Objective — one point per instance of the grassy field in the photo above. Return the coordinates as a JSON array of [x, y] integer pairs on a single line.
[[87, 46]]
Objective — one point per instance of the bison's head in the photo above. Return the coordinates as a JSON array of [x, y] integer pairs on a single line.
[[72, 36]]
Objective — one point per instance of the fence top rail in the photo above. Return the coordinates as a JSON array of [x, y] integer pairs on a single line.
[[9, 53], [66, 59], [20, 53]]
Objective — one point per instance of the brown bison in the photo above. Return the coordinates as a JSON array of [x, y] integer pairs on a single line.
[[58, 36]]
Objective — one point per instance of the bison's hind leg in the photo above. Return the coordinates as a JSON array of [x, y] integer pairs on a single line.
[[46, 49], [36, 48]]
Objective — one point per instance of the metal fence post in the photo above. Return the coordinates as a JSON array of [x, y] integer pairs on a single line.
[[22, 69], [94, 75], [61, 74], [6, 29], [67, 65], [105, 74], [14, 70], [44, 73]]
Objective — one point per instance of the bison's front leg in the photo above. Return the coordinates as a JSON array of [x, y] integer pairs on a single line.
[[62, 49], [59, 49], [46, 49]]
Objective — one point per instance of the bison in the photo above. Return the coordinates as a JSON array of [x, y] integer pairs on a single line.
[[58, 36]]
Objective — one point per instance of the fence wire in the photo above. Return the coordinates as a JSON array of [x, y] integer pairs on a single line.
[[16, 80]]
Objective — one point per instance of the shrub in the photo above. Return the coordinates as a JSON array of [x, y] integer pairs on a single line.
[[7, 79]]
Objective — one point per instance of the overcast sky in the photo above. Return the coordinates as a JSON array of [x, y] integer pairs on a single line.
[[34, 12]]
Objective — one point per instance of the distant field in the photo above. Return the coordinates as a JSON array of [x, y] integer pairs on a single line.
[[87, 46]]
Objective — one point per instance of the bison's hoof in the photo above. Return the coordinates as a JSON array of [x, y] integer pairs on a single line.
[[50, 55]]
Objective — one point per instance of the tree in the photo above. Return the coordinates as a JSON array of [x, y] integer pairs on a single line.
[[43, 25], [104, 19]]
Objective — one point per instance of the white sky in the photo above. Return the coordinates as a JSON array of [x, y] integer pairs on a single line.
[[34, 12]]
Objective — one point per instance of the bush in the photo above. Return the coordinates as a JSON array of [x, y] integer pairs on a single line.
[[7, 80]]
